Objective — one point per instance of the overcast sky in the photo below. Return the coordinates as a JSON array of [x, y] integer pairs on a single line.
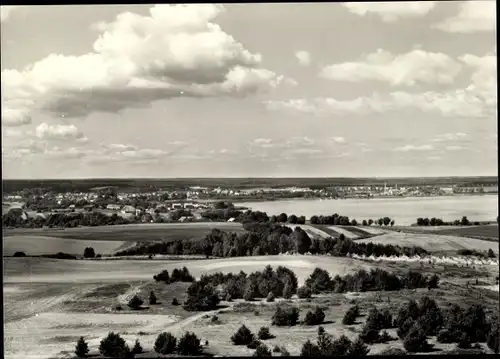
[[249, 90]]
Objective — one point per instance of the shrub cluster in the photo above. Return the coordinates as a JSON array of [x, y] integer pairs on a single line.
[[188, 344], [327, 346], [314, 318], [178, 275], [285, 316]]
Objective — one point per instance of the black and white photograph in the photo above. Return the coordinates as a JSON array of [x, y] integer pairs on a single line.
[[250, 179]]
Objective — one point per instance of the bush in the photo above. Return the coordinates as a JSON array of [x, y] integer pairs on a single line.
[[82, 348], [351, 315], [314, 318], [358, 348], [114, 346], [19, 254], [309, 350], [464, 341], [285, 316], [264, 333], [319, 281], [165, 343], [284, 352], [262, 351], [304, 292], [152, 298], [163, 276], [341, 346], [189, 344], [135, 303], [493, 337], [243, 336], [175, 302], [137, 349], [416, 340], [369, 335], [201, 297], [392, 351], [118, 307], [405, 328], [89, 252], [270, 297], [215, 319], [249, 294], [254, 344], [433, 281], [276, 349], [287, 291], [445, 336]]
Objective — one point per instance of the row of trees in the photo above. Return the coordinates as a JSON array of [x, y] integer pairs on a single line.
[[338, 220], [114, 346], [439, 222], [268, 239]]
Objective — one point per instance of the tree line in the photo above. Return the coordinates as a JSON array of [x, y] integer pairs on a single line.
[[268, 239], [439, 222]]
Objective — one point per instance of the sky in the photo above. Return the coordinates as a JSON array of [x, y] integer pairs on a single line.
[[399, 89]]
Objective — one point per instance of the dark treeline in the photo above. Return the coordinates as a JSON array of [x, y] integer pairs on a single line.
[[268, 239], [439, 222]]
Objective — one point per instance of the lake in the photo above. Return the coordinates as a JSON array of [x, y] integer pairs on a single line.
[[404, 211]]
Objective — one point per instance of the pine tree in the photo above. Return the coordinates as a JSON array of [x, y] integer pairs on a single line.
[[137, 349], [82, 348]]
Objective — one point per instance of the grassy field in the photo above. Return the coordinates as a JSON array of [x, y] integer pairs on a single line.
[[486, 232], [49, 303]]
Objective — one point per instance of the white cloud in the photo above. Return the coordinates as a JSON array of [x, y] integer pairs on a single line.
[[338, 139], [408, 148], [299, 141], [5, 12], [304, 58], [473, 16], [261, 140], [391, 11], [145, 153], [55, 132], [175, 51], [416, 66], [449, 137], [14, 117], [478, 100], [306, 151]]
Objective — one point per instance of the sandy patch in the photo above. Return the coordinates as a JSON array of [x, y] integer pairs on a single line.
[[34, 337], [345, 232]]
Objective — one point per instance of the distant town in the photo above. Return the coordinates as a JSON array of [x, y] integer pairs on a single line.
[[189, 203]]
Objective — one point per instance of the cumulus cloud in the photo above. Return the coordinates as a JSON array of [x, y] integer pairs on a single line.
[[175, 51], [304, 58], [408, 69], [473, 16], [5, 12], [478, 100], [58, 132], [409, 148], [391, 11]]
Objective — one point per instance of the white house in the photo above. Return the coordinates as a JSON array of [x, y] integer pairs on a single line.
[[113, 207]]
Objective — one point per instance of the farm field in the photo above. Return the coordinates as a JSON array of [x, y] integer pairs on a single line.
[[104, 239], [432, 242], [49, 303]]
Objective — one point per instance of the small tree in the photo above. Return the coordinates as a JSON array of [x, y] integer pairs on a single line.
[[358, 348], [152, 298], [114, 346], [287, 290], [491, 254], [309, 350], [189, 344], [415, 341], [264, 333], [270, 297], [254, 344], [137, 349], [243, 336], [165, 343], [248, 295], [285, 316], [89, 252], [314, 318], [175, 301], [304, 292], [262, 351], [351, 315], [135, 303], [433, 282], [82, 348]]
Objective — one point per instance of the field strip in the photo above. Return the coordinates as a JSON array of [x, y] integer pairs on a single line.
[[310, 230], [371, 230], [343, 231]]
